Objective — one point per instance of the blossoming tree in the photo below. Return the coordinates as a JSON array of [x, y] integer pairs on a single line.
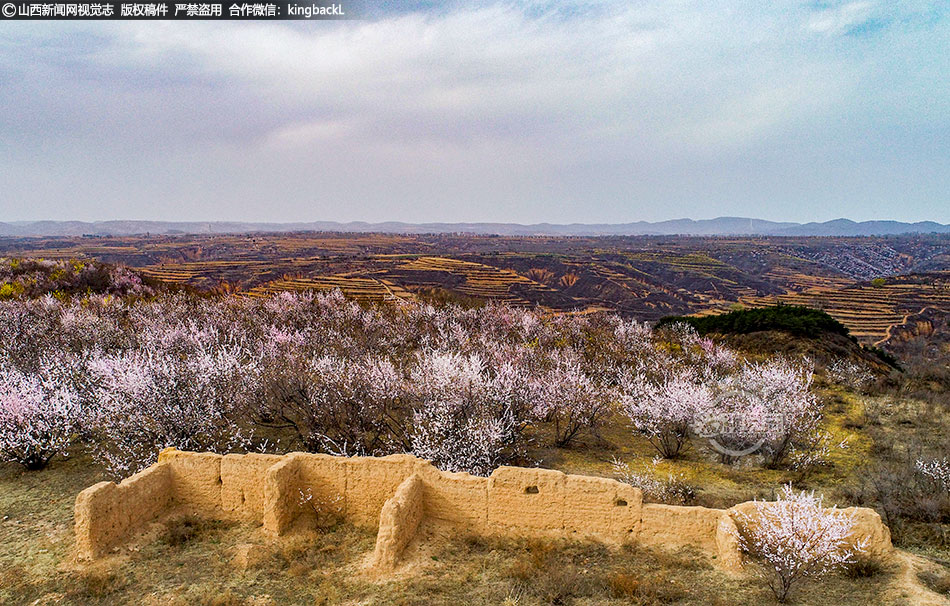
[[796, 537]]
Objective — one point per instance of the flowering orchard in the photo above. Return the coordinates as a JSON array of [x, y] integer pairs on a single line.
[[24, 278], [124, 374]]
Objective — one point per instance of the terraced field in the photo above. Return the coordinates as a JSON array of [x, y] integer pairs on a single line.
[[209, 273], [635, 285], [53, 253], [710, 280], [696, 263], [867, 310], [176, 274], [359, 288], [643, 277], [479, 280], [794, 280]]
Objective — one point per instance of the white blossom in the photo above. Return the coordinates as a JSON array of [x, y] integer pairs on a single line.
[[796, 537]]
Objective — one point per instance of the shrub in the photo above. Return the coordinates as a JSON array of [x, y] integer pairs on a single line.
[[936, 581], [672, 489], [850, 374], [936, 471], [907, 492], [796, 319], [623, 584], [646, 591], [863, 567], [796, 537]]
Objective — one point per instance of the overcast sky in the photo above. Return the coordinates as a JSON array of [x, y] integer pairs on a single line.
[[512, 111]]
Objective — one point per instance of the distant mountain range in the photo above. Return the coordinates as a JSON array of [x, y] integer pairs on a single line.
[[721, 226]]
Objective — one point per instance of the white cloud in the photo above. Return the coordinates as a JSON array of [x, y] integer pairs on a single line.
[[840, 19], [305, 134], [508, 111]]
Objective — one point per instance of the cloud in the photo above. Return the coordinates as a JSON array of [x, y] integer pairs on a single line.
[[523, 111], [841, 19]]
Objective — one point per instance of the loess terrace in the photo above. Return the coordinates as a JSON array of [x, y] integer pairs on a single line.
[[646, 277]]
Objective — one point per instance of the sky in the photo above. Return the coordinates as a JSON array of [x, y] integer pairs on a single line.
[[560, 112]]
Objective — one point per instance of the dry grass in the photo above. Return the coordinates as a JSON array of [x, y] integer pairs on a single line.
[[530, 572], [186, 528], [188, 560], [94, 584], [936, 581], [863, 568]]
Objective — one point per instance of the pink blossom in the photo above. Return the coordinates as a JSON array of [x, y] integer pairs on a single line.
[[37, 416]]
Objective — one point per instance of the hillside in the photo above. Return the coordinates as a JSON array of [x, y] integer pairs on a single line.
[[645, 277], [789, 330]]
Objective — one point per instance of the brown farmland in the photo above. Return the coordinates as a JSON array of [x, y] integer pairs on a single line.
[[868, 283]]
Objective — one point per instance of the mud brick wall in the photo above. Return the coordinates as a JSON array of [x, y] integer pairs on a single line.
[[106, 512], [394, 494], [398, 522]]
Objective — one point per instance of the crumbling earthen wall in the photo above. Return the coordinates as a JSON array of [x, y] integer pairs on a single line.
[[677, 526], [398, 522], [455, 499], [548, 503], [242, 483], [195, 477], [394, 493], [106, 512], [281, 501]]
